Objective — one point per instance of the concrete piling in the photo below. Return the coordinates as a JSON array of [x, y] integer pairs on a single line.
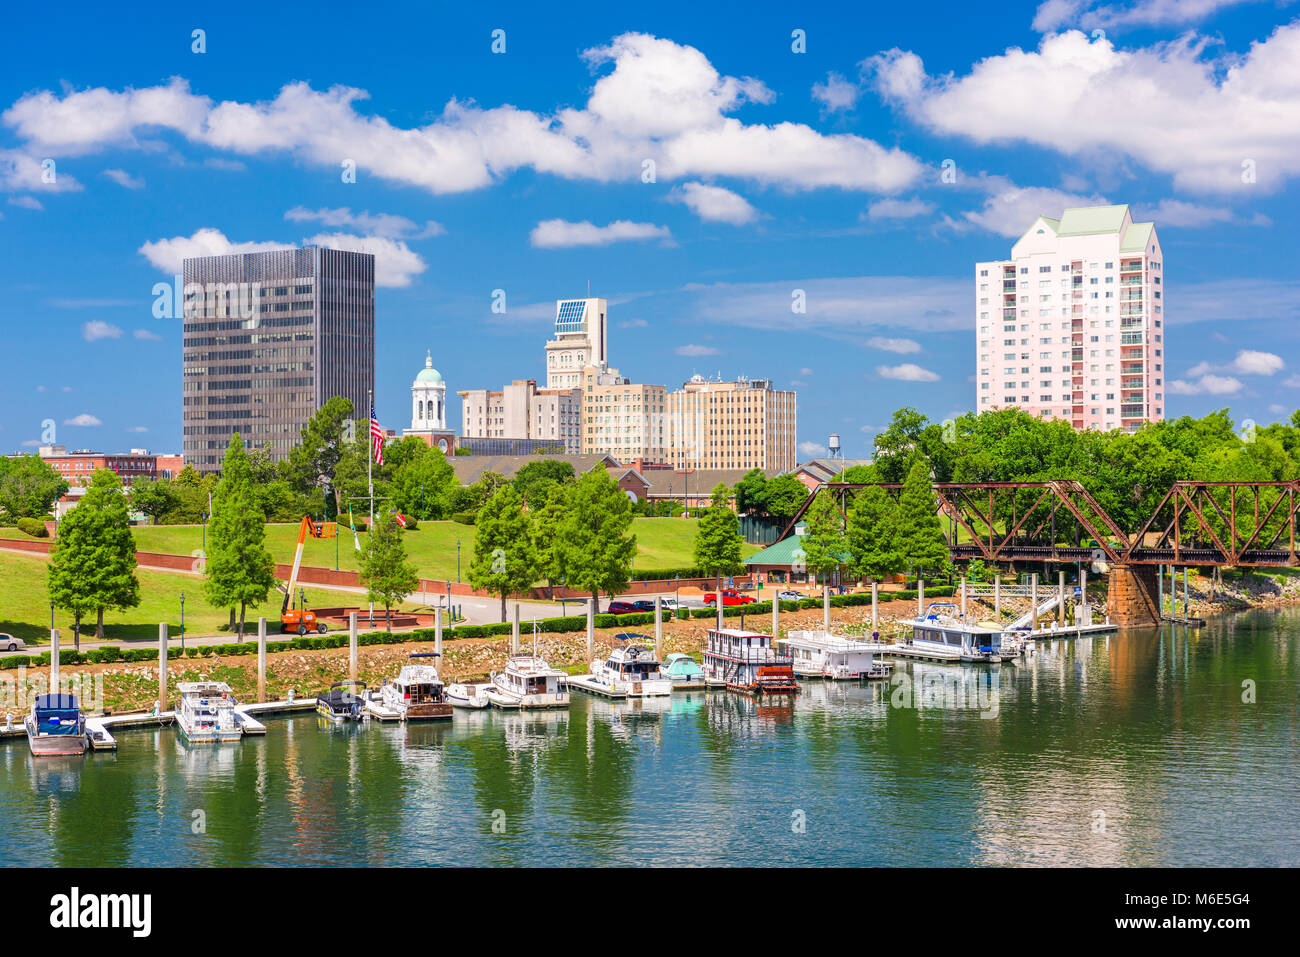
[[920, 598], [717, 602], [776, 616], [514, 631], [54, 661], [1033, 602], [997, 597], [826, 609], [659, 629], [261, 659], [963, 598], [162, 666], [1060, 599], [875, 607], [352, 645], [591, 628], [437, 632]]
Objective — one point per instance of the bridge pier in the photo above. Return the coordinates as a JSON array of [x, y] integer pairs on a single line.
[[1131, 595]]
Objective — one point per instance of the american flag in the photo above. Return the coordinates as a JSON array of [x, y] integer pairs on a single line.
[[376, 437]]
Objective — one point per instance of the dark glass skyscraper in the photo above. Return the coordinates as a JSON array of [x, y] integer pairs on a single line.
[[268, 338]]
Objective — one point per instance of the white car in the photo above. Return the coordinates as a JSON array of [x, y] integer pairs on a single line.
[[10, 643], [668, 602]]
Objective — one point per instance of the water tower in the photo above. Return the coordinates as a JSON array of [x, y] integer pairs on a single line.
[[833, 443]]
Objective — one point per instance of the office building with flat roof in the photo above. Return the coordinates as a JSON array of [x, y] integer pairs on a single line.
[[744, 424], [270, 337]]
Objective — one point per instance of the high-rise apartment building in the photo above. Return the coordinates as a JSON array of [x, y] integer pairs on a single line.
[[743, 424], [1072, 325], [580, 341], [520, 410], [268, 338], [621, 418]]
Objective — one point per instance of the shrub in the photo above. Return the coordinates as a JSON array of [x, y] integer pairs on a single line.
[[33, 527], [464, 518]]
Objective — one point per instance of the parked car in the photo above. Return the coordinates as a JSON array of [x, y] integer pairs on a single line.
[[620, 608], [10, 643], [729, 598], [643, 605], [790, 596], [669, 602]]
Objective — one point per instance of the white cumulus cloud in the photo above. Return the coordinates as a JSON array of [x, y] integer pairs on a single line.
[[886, 344], [560, 233], [1205, 385], [85, 419], [695, 350], [907, 372], [98, 329], [714, 203]]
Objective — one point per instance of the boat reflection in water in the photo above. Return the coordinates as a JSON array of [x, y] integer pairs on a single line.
[[749, 717]]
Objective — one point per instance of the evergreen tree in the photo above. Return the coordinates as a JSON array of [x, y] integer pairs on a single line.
[[239, 570], [871, 534], [717, 540], [385, 571], [92, 564], [824, 546], [596, 535], [920, 534], [504, 558]]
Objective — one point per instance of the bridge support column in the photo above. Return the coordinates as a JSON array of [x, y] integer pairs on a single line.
[[1132, 595]]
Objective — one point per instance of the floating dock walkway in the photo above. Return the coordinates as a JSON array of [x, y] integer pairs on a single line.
[[589, 684]]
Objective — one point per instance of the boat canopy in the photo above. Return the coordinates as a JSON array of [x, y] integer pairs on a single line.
[[56, 702], [632, 636]]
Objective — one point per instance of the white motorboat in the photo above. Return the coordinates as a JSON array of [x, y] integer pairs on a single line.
[[462, 694], [943, 633], [207, 713], [632, 671], [815, 654], [417, 693], [530, 682]]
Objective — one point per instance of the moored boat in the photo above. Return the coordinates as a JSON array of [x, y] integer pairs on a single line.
[[632, 671], [942, 632], [207, 713], [681, 669], [462, 694], [56, 726], [747, 662], [816, 654], [530, 682], [417, 693], [344, 701]]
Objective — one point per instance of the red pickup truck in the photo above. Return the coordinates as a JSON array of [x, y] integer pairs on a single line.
[[729, 598]]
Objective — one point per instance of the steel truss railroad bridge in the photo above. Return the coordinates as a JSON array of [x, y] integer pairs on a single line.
[[1195, 523]]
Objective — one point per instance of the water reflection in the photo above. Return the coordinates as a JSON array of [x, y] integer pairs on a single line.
[[1138, 749]]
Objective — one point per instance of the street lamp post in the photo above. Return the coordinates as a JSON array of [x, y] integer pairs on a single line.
[[563, 589], [51, 614], [204, 516], [457, 562], [182, 621], [677, 593]]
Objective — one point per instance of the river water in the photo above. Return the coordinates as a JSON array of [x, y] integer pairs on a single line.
[[1168, 747]]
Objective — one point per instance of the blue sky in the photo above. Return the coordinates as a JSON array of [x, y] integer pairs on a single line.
[[775, 171]]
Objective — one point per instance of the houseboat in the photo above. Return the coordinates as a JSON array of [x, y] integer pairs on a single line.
[[56, 726], [345, 701], [529, 682], [417, 694], [942, 633], [683, 672], [632, 671], [465, 695], [207, 713], [815, 654], [746, 661]]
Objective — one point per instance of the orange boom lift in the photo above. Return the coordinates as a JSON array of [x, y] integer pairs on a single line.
[[300, 619]]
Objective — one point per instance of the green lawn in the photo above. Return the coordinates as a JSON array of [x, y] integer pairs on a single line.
[[25, 607], [661, 543]]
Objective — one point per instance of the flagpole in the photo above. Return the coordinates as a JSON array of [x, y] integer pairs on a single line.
[[370, 461]]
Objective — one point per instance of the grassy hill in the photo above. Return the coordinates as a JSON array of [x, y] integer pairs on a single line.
[[25, 605], [661, 543]]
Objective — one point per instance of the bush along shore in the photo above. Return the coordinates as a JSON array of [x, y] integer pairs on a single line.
[[310, 664]]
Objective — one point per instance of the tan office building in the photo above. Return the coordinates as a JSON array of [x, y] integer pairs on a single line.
[[522, 411], [744, 424], [621, 418]]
